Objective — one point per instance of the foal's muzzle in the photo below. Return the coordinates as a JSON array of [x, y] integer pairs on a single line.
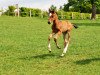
[[49, 22]]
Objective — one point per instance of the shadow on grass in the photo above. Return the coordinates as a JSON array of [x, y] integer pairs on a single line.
[[86, 61], [42, 56]]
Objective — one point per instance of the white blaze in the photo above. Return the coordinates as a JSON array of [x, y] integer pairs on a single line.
[[50, 14]]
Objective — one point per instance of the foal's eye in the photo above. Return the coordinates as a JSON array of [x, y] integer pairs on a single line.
[[51, 16]]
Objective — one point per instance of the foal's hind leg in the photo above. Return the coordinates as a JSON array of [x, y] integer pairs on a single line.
[[66, 43]]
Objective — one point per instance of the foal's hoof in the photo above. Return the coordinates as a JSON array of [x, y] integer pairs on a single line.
[[49, 51], [58, 47], [62, 55]]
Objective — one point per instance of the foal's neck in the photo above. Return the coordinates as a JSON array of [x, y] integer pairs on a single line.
[[55, 22]]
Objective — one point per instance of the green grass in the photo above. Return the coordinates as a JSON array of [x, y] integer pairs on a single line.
[[23, 48]]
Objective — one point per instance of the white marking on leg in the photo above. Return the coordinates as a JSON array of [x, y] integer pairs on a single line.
[[65, 49], [49, 47]]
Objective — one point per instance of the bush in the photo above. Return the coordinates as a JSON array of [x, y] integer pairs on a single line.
[[68, 15], [87, 16], [36, 12], [11, 14], [76, 15], [44, 14], [98, 16], [73, 15], [24, 11], [24, 14]]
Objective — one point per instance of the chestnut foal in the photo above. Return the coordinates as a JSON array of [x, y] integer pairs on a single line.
[[58, 28]]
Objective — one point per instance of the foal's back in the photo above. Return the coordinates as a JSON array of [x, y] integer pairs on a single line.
[[65, 26]]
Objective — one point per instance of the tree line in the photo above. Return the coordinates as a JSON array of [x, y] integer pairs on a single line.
[[24, 11], [81, 6]]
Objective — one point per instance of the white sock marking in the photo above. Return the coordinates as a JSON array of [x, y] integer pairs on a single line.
[[49, 47], [65, 49]]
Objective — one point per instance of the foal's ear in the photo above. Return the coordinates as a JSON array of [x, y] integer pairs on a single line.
[[51, 11]]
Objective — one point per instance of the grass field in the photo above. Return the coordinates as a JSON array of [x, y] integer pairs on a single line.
[[23, 48]]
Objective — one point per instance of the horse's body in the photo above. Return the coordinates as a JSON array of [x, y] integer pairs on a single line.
[[59, 27], [63, 26]]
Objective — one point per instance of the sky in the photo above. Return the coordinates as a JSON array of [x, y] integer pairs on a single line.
[[41, 4]]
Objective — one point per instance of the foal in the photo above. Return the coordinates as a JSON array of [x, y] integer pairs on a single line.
[[58, 28]]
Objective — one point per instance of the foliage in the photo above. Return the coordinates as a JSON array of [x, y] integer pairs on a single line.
[[24, 11], [10, 11], [98, 16], [37, 12], [44, 14], [72, 15], [11, 8], [83, 6]]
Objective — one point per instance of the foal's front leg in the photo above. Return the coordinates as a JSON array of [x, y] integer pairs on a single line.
[[66, 43], [55, 36], [57, 43], [49, 46]]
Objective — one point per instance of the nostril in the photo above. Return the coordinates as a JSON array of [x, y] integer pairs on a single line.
[[49, 22]]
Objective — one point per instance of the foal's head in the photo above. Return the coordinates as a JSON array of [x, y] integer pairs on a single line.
[[52, 16]]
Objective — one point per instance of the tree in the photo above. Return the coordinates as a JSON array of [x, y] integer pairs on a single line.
[[87, 6], [77, 6], [11, 8], [94, 4]]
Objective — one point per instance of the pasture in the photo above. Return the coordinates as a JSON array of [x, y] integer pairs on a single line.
[[23, 48]]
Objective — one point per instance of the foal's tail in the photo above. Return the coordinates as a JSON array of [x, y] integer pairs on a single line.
[[75, 26]]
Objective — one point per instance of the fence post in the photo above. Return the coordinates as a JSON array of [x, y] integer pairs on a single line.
[[41, 14], [15, 13], [81, 16], [72, 16], [2, 11], [90, 16], [61, 15], [17, 9], [30, 13]]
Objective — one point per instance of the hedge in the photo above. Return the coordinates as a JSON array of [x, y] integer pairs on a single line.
[[61, 14]]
